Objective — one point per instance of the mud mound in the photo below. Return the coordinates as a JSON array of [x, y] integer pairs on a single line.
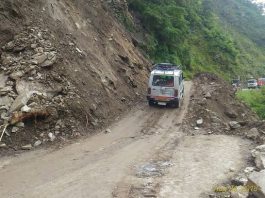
[[215, 109]]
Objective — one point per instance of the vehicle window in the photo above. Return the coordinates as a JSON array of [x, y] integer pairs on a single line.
[[163, 81], [251, 81]]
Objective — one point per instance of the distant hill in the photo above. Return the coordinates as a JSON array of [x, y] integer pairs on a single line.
[[225, 37]]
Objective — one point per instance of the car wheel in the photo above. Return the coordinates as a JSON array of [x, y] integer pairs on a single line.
[[151, 103], [176, 104]]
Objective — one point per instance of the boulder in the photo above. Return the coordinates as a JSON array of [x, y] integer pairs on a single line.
[[199, 122], [16, 75], [37, 143], [6, 101], [208, 95], [39, 58], [50, 61], [249, 170], [27, 147], [253, 134], [10, 46], [239, 192], [20, 124], [20, 101], [260, 148], [3, 145], [107, 131], [256, 181], [5, 90], [25, 109], [231, 113], [3, 80], [215, 119], [15, 129], [239, 180], [259, 154], [234, 125], [51, 136]]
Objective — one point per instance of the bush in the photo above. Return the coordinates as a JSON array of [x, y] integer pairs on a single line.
[[255, 99]]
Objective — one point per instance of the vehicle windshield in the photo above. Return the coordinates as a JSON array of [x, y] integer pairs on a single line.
[[235, 81], [163, 81], [252, 81]]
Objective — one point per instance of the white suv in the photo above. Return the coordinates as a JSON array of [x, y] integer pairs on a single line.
[[166, 85], [252, 84]]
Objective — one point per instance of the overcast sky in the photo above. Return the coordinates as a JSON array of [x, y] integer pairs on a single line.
[[259, 1]]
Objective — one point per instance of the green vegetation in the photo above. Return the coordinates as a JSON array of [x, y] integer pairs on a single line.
[[255, 99], [225, 37]]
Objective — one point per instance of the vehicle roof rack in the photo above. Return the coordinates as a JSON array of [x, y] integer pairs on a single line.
[[166, 67]]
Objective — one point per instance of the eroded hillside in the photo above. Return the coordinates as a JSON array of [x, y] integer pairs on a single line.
[[68, 62]]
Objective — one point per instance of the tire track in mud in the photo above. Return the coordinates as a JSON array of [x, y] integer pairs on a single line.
[[145, 178]]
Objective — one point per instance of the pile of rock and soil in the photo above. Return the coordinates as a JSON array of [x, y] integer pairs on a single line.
[[214, 109], [67, 69], [33, 96]]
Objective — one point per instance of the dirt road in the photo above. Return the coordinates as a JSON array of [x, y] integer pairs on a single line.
[[146, 154]]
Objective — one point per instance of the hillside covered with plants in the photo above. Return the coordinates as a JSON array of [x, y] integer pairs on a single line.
[[225, 37]]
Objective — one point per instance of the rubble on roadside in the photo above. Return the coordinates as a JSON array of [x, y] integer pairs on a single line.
[[214, 102], [30, 91]]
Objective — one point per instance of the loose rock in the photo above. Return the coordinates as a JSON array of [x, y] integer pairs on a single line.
[[234, 125], [239, 180], [15, 129], [257, 180], [27, 147], [199, 122], [21, 101], [231, 113], [3, 145], [37, 143], [107, 131], [253, 134], [259, 154], [208, 95], [25, 109], [51, 136]]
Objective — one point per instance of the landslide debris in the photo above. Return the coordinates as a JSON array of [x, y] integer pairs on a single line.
[[67, 69], [214, 109], [33, 97]]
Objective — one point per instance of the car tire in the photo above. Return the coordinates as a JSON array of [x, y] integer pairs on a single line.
[[176, 104], [151, 103]]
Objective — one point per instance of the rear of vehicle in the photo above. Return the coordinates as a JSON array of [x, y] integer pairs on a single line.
[[236, 83], [165, 87], [252, 84], [261, 82]]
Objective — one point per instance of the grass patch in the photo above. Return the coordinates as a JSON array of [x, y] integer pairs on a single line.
[[255, 99]]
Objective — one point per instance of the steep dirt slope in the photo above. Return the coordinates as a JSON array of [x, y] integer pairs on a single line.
[[91, 57]]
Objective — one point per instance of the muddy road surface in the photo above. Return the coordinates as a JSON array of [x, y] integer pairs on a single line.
[[145, 155]]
